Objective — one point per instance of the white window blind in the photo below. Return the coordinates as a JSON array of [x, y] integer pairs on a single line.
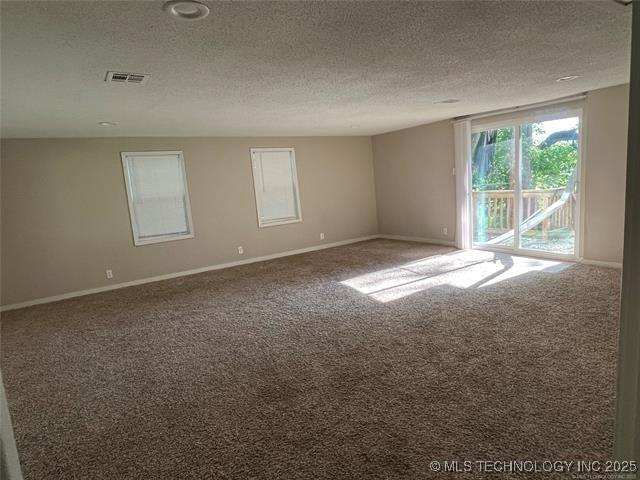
[[158, 196], [276, 185]]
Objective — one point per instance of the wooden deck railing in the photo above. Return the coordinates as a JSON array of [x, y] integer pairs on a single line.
[[498, 207]]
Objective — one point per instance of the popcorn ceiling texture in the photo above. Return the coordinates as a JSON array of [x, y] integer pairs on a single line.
[[277, 370], [296, 68]]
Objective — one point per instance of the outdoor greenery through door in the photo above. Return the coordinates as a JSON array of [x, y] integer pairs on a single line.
[[524, 185]]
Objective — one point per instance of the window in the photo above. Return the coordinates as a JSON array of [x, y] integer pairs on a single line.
[[524, 184], [158, 197], [276, 184]]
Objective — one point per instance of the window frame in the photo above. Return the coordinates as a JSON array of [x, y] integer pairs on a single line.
[[516, 121], [137, 241], [256, 186]]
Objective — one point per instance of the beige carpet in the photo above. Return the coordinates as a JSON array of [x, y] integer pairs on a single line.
[[360, 362]]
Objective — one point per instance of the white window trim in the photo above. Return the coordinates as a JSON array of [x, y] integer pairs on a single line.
[[137, 241], [256, 187], [462, 173]]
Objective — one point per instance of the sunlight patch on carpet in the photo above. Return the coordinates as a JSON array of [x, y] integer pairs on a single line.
[[463, 269]]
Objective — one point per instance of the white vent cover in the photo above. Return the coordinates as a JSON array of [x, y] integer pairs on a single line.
[[127, 77]]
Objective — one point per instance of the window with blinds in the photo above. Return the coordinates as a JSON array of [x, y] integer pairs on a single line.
[[158, 196], [276, 186]]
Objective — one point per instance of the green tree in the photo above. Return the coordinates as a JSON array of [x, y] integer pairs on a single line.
[[545, 165], [551, 167], [491, 165]]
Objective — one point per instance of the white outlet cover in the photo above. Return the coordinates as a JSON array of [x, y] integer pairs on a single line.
[[240, 250]]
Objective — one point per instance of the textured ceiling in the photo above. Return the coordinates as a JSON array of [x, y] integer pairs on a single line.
[[296, 68]]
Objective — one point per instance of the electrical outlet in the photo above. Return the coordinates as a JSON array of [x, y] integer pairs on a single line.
[[240, 250], [445, 230], [109, 274], [321, 236]]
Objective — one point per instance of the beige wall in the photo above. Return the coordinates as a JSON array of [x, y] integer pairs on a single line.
[[65, 217], [415, 186], [607, 120]]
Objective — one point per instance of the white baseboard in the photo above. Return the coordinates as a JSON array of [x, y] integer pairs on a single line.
[[600, 263], [220, 266], [417, 239]]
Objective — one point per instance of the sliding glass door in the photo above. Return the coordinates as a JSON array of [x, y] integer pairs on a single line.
[[524, 180]]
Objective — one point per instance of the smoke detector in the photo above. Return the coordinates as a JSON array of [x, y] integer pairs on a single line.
[[127, 78]]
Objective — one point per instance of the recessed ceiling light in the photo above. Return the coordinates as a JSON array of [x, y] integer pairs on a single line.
[[107, 124], [447, 100], [568, 78], [186, 9]]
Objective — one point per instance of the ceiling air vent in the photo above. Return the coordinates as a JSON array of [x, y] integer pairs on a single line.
[[127, 77]]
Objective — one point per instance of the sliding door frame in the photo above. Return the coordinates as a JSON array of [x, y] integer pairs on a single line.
[[517, 162], [516, 122]]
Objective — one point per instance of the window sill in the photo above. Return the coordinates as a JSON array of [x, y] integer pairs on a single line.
[[168, 238], [278, 222]]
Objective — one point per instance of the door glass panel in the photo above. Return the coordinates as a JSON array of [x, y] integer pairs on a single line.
[[549, 179], [493, 187]]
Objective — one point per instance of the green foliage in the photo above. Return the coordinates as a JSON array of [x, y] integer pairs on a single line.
[[551, 167], [544, 167], [491, 166]]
